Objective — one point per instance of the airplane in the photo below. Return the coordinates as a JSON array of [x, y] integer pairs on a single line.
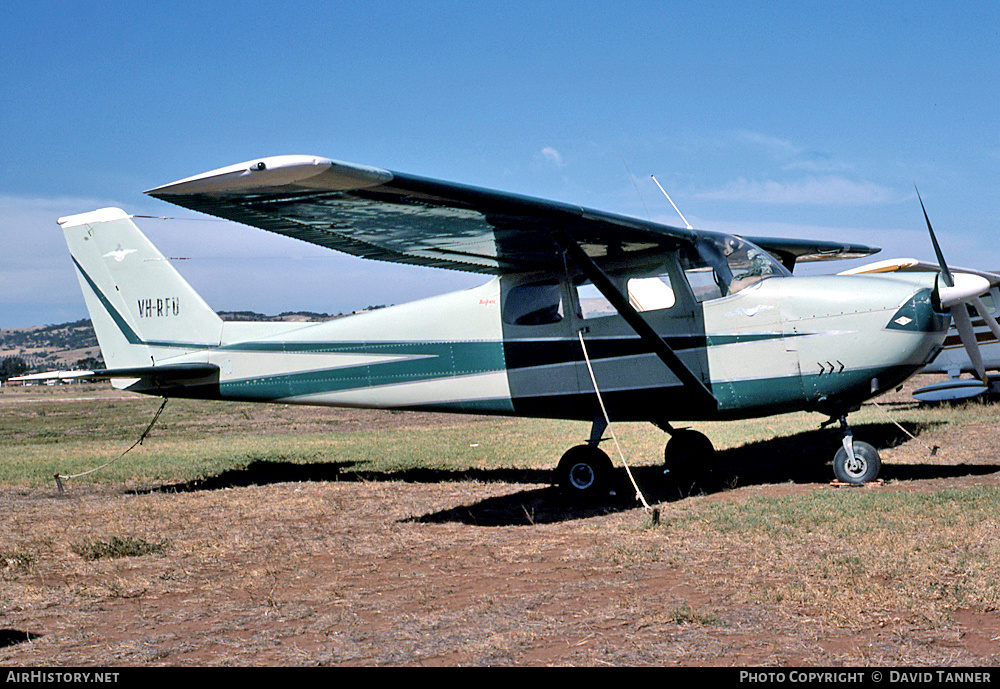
[[587, 315], [955, 359]]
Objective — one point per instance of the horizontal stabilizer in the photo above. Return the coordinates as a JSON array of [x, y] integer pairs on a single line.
[[172, 373]]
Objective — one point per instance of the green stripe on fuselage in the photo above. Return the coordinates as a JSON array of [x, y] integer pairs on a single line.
[[424, 361]]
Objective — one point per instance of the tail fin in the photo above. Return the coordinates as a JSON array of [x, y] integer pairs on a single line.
[[143, 311]]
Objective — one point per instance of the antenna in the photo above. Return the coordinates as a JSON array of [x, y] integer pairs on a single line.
[[686, 223], [637, 192]]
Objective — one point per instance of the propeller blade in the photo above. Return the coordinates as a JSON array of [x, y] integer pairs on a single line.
[[960, 317], [937, 249], [956, 297]]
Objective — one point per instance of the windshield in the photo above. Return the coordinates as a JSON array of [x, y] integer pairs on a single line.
[[723, 265]]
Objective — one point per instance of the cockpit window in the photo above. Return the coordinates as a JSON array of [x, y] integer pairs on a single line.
[[723, 265]]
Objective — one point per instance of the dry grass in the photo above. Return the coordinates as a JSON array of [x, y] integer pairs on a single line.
[[283, 563]]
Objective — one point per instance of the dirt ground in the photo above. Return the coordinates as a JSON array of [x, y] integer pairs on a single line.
[[281, 567]]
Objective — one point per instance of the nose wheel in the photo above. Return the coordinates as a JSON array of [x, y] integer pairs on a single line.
[[861, 466], [856, 462]]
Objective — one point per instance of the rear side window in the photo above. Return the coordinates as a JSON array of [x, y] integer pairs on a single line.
[[537, 304]]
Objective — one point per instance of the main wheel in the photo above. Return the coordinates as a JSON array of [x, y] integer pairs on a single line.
[[584, 470], [862, 469], [689, 456]]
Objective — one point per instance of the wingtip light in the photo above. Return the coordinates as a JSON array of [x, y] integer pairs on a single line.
[[271, 171]]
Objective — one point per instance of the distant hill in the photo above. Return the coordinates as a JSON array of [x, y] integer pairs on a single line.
[[68, 346], [49, 347], [286, 316]]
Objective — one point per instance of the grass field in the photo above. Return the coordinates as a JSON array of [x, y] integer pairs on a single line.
[[69, 430], [222, 501]]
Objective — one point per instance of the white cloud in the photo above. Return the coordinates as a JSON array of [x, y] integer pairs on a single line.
[[552, 156], [816, 165], [771, 143], [831, 190]]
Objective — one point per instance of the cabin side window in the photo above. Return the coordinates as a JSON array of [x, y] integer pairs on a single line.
[[534, 304], [644, 294], [651, 293], [704, 284], [592, 303]]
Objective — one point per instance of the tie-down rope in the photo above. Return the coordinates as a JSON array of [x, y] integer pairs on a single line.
[[115, 459], [593, 379]]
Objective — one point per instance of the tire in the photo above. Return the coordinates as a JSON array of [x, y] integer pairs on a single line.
[[689, 455], [865, 468], [584, 470]]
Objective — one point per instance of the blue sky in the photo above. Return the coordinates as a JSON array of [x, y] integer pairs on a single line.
[[812, 119]]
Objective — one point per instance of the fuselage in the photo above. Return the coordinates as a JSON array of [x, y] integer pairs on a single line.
[[815, 343], [716, 330]]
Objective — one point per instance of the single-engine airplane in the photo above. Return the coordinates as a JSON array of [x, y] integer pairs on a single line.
[[660, 323]]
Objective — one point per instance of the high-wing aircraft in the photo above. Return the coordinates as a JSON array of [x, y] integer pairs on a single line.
[[956, 358], [588, 315]]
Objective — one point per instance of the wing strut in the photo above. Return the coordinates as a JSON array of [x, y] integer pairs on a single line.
[[645, 331]]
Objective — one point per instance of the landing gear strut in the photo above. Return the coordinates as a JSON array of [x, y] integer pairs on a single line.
[[856, 462]]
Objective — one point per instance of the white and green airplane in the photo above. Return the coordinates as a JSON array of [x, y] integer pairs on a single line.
[[584, 307]]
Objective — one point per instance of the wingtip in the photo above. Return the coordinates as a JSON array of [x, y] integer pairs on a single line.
[[276, 172], [273, 171]]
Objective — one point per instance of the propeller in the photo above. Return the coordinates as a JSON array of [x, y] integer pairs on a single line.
[[961, 289]]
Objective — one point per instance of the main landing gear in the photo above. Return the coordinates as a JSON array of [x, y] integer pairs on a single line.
[[586, 470], [689, 458], [690, 461]]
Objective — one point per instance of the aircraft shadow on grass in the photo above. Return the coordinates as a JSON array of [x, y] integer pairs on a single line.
[[794, 459], [12, 637]]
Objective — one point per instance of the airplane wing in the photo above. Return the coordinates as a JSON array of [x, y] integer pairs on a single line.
[[792, 251], [913, 265], [391, 216]]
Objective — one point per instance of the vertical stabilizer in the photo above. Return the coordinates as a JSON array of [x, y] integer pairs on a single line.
[[143, 311]]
